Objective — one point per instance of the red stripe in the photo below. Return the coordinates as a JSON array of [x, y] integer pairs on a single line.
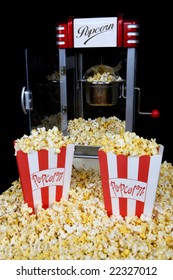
[[60, 164], [70, 32], [122, 166], [62, 158], [122, 173], [43, 164], [24, 174], [139, 208], [105, 181], [123, 206], [144, 164], [120, 31]]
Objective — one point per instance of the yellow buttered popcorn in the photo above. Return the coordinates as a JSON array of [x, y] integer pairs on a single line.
[[94, 132], [79, 228], [42, 138], [130, 144], [86, 131]]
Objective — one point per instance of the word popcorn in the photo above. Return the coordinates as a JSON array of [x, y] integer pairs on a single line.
[[47, 179], [123, 190]]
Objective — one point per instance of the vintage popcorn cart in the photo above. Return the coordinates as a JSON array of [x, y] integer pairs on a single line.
[[96, 71]]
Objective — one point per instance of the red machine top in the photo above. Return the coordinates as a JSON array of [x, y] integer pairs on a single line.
[[97, 32]]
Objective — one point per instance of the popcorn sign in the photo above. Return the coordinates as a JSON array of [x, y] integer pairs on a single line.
[[45, 175], [129, 183], [98, 32]]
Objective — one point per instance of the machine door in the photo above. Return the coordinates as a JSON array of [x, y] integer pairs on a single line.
[[40, 97]]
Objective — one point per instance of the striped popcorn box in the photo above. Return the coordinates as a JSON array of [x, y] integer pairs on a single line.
[[129, 183], [45, 175]]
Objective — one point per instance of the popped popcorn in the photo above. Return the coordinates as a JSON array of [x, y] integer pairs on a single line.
[[79, 228], [100, 74], [130, 144], [40, 138], [50, 121], [93, 132], [54, 76], [106, 77], [82, 219]]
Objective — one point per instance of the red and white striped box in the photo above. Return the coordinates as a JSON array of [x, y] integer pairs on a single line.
[[129, 183], [45, 175]]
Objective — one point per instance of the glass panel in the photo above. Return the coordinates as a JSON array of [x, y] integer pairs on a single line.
[[43, 82]]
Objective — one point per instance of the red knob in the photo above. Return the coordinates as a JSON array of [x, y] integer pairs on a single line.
[[155, 113]]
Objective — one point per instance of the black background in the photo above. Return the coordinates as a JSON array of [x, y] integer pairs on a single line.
[[26, 25]]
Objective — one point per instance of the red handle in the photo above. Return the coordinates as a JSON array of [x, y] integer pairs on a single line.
[[155, 113]]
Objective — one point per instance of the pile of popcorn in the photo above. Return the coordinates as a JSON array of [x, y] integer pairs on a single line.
[[80, 229], [110, 135], [50, 121], [106, 77], [107, 133], [40, 138], [130, 144], [96, 131], [82, 219], [54, 76], [100, 74], [87, 131]]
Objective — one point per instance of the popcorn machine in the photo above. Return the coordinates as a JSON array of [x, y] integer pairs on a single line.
[[88, 46], [107, 33], [84, 33]]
